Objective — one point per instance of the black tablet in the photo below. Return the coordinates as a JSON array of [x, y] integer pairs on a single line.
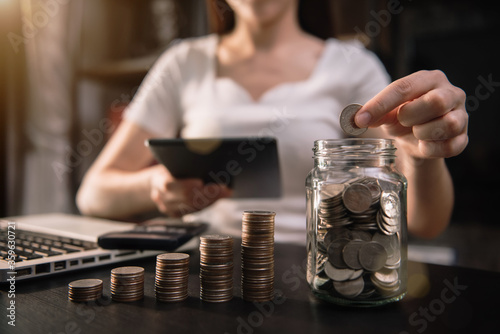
[[250, 166]]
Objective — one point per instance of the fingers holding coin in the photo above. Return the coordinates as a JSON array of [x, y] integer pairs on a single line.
[[399, 92], [424, 110]]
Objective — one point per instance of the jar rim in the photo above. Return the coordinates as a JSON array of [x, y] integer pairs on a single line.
[[353, 141], [355, 148]]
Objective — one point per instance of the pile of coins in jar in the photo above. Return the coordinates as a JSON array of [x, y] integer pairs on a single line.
[[358, 245]]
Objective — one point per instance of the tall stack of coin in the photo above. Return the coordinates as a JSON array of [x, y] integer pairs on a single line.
[[216, 268], [257, 256], [127, 284], [171, 280], [85, 290]]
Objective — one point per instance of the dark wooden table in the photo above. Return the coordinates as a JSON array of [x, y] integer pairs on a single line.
[[440, 300]]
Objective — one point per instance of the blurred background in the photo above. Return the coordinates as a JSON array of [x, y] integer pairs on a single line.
[[68, 68]]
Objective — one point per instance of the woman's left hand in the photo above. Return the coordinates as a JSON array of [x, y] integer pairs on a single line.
[[424, 112]]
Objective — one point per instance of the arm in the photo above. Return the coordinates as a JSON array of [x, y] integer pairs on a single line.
[[426, 116], [117, 184], [430, 194], [122, 183]]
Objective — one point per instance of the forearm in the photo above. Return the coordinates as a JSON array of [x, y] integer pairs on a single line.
[[115, 194], [430, 195]]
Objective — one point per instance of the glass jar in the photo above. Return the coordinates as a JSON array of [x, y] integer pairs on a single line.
[[356, 223]]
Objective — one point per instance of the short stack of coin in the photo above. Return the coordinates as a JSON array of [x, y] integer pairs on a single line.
[[127, 284], [171, 279], [216, 268], [257, 256], [85, 290]]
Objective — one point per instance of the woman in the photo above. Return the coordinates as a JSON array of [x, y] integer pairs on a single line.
[[267, 73]]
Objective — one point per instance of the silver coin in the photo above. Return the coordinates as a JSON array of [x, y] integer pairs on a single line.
[[361, 235], [372, 256], [127, 271], [337, 274], [357, 198], [337, 233], [321, 260], [386, 276], [330, 191], [386, 281], [394, 261], [390, 221], [335, 253], [347, 120], [356, 274], [350, 289], [350, 254], [366, 294], [89, 283], [384, 227], [390, 242], [322, 283], [389, 202]]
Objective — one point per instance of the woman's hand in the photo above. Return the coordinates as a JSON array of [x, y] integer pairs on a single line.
[[177, 197], [426, 116], [423, 112]]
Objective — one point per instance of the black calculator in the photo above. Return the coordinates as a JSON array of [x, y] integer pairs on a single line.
[[167, 236]]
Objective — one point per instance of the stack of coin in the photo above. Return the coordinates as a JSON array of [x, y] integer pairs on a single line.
[[332, 212], [386, 281], [388, 216], [216, 268], [358, 239], [257, 256], [127, 284], [172, 274], [369, 192], [85, 290]]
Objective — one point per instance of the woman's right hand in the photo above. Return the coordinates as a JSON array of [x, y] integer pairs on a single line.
[[177, 197]]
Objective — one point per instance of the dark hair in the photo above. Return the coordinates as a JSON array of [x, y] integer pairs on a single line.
[[314, 17]]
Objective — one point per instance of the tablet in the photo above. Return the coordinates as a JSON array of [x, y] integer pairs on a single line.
[[250, 165]]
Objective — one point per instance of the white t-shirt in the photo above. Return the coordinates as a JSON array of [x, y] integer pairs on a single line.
[[182, 96]]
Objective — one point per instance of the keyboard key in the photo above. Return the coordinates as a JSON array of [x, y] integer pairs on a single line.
[[32, 245], [34, 256]]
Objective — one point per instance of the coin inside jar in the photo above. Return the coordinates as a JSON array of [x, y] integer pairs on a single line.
[[350, 289], [357, 198], [372, 256], [335, 255], [390, 204], [350, 254]]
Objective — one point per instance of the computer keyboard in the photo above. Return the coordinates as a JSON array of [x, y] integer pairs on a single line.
[[34, 245]]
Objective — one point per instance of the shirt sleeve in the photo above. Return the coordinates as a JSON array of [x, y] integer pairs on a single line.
[[156, 106]]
